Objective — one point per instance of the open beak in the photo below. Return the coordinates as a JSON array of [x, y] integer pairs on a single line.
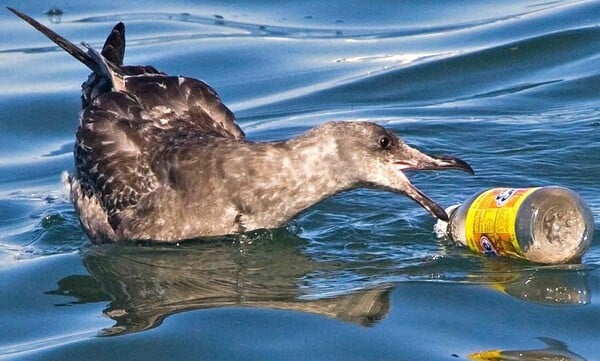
[[415, 160]]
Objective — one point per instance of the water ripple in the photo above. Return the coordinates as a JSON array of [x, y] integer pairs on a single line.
[[336, 30], [496, 72]]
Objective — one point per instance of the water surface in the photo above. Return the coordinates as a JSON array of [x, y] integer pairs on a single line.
[[511, 87]]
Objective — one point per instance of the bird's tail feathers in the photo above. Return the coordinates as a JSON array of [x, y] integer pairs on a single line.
[[106, 63], [115, 78], [68, 46], [114, 46]]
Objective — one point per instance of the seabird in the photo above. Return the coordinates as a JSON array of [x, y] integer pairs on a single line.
[[160, 158]]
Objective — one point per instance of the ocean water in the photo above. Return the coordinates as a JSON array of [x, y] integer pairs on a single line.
[[511, 87]]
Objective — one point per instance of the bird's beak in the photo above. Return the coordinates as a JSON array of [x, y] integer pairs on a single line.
[[415, 160]]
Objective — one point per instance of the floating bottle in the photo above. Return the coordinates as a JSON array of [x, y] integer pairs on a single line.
[[545, 224]]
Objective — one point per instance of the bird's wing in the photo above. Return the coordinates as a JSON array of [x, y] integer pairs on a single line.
[[173, 104], [132, 116], [111, 156], [124, 138]]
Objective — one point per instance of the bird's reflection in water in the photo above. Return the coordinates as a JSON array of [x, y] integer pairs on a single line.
[[145, 284]]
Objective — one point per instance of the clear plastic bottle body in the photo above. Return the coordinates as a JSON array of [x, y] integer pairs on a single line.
[[546, 224]]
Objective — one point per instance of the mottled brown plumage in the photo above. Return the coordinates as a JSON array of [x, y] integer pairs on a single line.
[[161, 158]]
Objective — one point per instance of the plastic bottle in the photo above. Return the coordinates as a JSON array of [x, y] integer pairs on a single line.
[[545, 224]]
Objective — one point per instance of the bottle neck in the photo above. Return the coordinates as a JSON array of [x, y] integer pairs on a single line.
[[442, 228]]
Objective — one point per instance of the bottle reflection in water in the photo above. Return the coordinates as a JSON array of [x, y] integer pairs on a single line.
[[545, 224], [555, 350]]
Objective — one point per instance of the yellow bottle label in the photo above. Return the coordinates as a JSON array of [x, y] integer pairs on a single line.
[[490, 225]]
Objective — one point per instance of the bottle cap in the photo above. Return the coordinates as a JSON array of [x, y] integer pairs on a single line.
[[441, 227]]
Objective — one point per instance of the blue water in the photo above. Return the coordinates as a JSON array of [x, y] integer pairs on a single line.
[[511, 87]]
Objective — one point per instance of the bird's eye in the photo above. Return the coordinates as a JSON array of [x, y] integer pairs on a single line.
[[385, 142]]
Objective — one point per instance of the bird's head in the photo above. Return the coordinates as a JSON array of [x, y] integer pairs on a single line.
[[377, 158]]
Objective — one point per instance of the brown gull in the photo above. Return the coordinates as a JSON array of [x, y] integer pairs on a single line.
[[161, 158]]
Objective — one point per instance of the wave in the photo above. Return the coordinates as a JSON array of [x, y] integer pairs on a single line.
[[527, 68]]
